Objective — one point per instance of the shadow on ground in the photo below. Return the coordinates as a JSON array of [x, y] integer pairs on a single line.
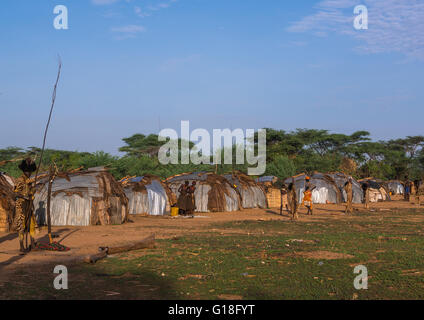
[[87, 282]]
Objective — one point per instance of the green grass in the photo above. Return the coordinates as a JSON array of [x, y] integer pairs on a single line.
[[262, 262]]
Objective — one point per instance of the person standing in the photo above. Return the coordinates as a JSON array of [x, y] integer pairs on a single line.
[[413, 189], [307, 200], [181, 202], [292, 200], [366, 190], [24, 221], [190, 201], [283, 192], [349, 194], [308, 184], [407, 190]]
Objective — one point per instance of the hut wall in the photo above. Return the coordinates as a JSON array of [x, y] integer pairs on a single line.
[[252, 197], [395, 187], [377, 195], [324, 195], [152, 200], [201, 197], [273, 196], [157, 198], [72, 210], [138, 202], [232, 201], [6, 213], [7, 203], [251, 193]]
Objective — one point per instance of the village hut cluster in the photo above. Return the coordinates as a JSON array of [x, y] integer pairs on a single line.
[[94, 197]]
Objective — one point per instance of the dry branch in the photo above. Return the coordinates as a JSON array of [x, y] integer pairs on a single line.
[[147, 243]]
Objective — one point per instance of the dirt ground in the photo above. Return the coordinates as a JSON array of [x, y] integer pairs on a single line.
[[86, 240]]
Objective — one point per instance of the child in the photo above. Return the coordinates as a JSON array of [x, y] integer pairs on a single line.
[[307, 200]]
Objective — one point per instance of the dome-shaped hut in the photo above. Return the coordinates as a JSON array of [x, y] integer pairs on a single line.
[[148, 195], [395, 187], [252, 194], [326, 190], [83, 198], [377, 189], [340, 179], [213, 192]]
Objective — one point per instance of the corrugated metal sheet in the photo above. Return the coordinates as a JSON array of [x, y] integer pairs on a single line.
[[265, 179], [252, 195], [195, 176], [66, 209], [153, 202], [138, 202]]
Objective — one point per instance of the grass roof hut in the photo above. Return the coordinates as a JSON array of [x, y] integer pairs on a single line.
[[148, 195], [83, 198], [7, 202], [251, 193], [213, 192]]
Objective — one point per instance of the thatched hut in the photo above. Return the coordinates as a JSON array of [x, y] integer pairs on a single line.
[[83, 198], [272, 186], [377, 189], [326, 190], [7, 202], [213, 192], [148, 195], [251, 193], [340, 179]]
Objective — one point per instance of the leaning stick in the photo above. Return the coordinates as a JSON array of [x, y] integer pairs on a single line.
[[2, 163], [50, 117]]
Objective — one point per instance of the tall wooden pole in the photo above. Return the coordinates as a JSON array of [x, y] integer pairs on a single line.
[[49, 196]]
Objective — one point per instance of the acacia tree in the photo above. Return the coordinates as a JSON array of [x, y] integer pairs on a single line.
[[141, 145]]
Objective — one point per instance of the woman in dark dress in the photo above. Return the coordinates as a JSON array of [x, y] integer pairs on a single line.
[[182, 198], [191, 204]]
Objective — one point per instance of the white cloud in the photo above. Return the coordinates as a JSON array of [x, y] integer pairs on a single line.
[[159, 6], [128, 31], [103, 2], [394, 25], [141, 13]]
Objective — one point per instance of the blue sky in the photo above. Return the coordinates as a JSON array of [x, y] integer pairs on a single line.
[[134, 66]]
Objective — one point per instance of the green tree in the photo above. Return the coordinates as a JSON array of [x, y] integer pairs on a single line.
[[281, 167]]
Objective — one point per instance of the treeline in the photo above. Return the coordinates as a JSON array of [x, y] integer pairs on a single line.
[[288, 153]]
